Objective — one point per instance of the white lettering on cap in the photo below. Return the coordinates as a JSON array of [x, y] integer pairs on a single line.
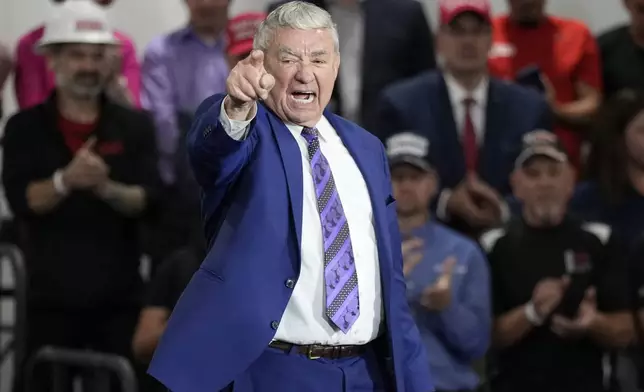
[[89, 25], [540, 136], [408, 143]]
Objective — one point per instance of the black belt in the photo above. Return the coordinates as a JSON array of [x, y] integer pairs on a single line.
[[315, 351]]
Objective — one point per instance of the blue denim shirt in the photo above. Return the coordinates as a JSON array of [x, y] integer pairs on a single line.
[[459, 334]]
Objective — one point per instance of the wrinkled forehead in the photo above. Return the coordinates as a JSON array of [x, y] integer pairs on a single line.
[[299, 42]]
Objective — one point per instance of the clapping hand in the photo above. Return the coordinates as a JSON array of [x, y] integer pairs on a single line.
[[87, 169], [586, 316], [412, 254], [547, 295], [438, 296]]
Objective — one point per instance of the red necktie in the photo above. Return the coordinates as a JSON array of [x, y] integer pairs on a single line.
[[470, 147]]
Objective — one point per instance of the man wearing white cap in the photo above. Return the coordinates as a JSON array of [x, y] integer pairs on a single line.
[[79, 171], [34, 81]]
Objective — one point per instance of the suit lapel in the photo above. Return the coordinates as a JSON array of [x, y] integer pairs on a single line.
[[356, 149], [371, 174], [292, 162], [453, 152]]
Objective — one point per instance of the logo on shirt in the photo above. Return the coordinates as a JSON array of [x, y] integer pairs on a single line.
[[110, 148], [502, 49], [577, 262]]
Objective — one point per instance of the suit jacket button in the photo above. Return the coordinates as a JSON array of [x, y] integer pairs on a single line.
[[290, 283], [274, 324]]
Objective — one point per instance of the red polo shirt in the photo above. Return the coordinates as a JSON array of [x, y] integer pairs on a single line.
[[564, 50]]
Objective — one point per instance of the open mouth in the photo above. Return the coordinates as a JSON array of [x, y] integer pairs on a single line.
[[303, 96]]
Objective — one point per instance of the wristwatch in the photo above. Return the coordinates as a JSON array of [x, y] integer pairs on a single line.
[[59, 184], [531, 314]]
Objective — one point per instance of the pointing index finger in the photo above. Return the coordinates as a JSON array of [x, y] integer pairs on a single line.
[[256, 59]]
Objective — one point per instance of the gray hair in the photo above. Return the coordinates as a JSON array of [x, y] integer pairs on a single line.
[[298, 15]]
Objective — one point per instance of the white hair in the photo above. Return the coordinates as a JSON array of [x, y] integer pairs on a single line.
[[298, 15]]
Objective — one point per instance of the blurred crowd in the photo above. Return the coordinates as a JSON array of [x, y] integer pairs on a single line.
[[516, 148]]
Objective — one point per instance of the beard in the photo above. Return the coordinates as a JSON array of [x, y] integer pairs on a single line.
[[84, 85], [547, 213]]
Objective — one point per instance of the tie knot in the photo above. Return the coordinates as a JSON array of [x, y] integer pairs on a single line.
[[469, 102], [310, 134]]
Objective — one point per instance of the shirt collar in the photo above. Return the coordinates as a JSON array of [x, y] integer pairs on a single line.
[[457, 94], [323, 126]]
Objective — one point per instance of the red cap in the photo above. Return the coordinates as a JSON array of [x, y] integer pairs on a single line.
[[449, 9], [241, 31]]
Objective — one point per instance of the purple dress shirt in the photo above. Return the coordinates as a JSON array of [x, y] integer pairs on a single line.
[[179, 71]]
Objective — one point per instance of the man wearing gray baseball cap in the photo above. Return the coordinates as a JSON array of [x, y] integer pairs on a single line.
[[446, 273]]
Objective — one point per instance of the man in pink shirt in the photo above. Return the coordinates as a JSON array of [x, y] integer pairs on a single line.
[[34, 81]]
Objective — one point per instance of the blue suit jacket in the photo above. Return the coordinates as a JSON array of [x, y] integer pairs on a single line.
[[422, 105], [252, 208]]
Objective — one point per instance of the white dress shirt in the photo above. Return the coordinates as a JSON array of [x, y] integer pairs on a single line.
[[350, 24], [303, 321], [457, 95]]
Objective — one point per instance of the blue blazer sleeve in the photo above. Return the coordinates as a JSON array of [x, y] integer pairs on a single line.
[[216, 158], [416, 376]]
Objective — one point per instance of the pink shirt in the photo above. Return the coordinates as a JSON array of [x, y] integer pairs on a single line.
[[34, 81]]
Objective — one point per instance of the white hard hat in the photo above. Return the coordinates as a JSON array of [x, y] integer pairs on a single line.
[[78, 21]]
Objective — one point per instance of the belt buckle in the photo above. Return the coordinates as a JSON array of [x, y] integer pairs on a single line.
[[310, 355]]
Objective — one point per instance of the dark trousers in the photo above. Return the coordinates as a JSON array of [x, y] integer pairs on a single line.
[[101, 330], [276, 370]]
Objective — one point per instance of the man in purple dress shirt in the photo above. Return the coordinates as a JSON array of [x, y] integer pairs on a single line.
[[179, 71]]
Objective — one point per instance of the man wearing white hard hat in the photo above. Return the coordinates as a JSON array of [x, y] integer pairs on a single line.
[[79, 172], [34, 81]]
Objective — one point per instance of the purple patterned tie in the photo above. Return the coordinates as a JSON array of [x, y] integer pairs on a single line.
[[340, 277]]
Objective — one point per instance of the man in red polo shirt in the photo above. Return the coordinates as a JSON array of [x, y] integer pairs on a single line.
[[567, 57]]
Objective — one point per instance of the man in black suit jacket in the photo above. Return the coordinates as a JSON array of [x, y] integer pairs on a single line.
[[381, 42], [476, 124]]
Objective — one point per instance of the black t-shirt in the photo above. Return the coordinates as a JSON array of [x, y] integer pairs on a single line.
[[173, 276], [623, 61], [83, 254], [521, 256]]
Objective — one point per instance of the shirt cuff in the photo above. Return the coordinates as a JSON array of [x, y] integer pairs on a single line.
[[236, 129], [441, 206]]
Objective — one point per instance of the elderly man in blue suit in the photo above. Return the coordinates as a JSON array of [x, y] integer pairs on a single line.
[[302, 288]]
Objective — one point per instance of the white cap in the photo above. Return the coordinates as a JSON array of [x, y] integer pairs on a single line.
[[78, 21]]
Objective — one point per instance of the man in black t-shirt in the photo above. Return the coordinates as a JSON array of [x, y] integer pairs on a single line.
[[559, 287], [162, 293]]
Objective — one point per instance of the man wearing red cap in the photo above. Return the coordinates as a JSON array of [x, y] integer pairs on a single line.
[[475, 122], [567, 59], [240, 33]]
